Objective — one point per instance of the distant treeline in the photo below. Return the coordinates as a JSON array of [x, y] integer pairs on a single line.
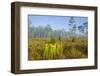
[[48, 32]]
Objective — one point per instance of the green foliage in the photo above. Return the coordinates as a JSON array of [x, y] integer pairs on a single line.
[[53, 50], [49, 49]]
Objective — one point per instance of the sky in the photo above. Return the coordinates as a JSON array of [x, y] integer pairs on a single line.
[[56, 22]]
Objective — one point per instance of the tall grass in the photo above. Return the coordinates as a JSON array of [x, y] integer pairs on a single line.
[[49, 49]]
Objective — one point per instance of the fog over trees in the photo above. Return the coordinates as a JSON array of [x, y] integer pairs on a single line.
[[57, 37], [47, 31]]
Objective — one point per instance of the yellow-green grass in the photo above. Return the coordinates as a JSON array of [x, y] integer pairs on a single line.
[[51, 49]]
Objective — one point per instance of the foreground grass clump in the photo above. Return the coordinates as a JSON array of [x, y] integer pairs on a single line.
[[49, 49]]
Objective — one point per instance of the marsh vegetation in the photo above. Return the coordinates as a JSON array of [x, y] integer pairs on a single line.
[[46, 43]]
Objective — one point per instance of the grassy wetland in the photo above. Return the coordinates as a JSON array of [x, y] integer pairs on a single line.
[[57, 37]]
